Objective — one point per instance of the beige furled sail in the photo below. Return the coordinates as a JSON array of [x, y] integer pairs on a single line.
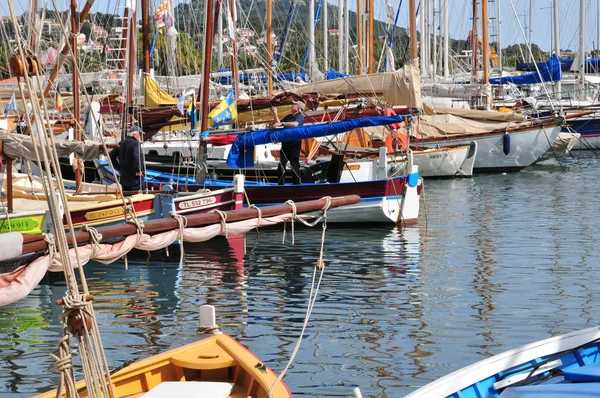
[[400, 88]]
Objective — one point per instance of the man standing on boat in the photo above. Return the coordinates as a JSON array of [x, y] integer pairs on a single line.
[[290, 150], [128, 160]]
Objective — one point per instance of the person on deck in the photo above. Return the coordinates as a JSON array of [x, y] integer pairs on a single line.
[[290, 150], [128, 160]]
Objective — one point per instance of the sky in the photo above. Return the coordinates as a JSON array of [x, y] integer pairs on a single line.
[[460, 18]]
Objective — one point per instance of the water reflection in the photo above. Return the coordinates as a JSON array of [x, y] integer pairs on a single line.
[[502, 261]]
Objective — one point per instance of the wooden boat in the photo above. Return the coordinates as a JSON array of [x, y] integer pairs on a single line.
[[215, 366], [387, 200], [563, 366], [28, 222]]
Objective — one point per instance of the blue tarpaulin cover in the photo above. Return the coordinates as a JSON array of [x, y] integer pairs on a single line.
[[549, 72], [331, 74], [241, 154]]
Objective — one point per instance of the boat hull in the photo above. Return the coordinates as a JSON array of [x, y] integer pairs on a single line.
[[502, 373], [496, 154], [31, 222], [197, 369], [589, 129], [446, 162]]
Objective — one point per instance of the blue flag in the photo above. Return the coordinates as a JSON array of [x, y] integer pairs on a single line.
[[226, 111], [193, 115], [12, 106]]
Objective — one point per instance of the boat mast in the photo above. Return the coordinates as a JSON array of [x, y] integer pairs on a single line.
[[359, 35], [582, 62], [499, 36], [146, 36], [530, 28], [325, 38], [311, 37], [270, 45], [131, 45], [205, 87], [412, 17], [434, 46], [371, 36], [427, 39], [485, 44], [340, 35], [219, 40], [347, 37], [556, 41], [234, 67], [447, 40], [33, 26], [474, 40], [423, 41], [75, 90]]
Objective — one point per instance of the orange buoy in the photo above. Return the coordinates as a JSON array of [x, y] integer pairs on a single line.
[[396, 141]]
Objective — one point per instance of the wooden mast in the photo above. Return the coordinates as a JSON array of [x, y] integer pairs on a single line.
[[371, 37], [359, 34], [412, 17], [270, 45], [75, 90], [205, 87], [146, 36]]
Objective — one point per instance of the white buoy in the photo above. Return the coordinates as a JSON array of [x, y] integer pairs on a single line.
[[357, 393]]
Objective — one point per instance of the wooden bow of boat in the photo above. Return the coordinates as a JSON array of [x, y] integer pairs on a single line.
[[215, 363]]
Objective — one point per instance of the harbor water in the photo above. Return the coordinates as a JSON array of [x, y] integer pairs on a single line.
[[497, 261]]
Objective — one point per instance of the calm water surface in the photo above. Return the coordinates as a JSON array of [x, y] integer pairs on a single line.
[[497, 261]]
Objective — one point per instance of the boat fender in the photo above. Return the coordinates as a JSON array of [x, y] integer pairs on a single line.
[[413, 179], [506, 143]]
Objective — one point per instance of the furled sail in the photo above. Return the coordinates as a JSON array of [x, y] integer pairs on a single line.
[[402, 87], [241, 154]]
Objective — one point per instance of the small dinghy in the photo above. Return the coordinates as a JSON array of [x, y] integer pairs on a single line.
[[215, 366], [563, 366]]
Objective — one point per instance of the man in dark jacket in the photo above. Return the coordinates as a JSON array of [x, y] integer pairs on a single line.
[[128, 159], [290, 150]]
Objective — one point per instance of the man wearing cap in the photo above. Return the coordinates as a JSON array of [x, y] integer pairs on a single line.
[[290, 150], [128, 160]]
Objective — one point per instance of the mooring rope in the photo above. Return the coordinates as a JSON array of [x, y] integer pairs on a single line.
[[182, 224], [312, 298]]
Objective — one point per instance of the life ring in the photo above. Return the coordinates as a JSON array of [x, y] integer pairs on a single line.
[[396, 140]]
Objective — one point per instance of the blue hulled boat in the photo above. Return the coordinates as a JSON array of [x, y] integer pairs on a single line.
[[559, 367]]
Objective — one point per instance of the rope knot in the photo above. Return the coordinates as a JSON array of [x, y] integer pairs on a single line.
[[223, 217], [294, 216]]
